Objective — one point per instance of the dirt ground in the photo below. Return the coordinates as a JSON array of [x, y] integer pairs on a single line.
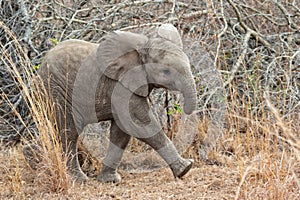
[[18, 181], [228, 181], [207, 182]]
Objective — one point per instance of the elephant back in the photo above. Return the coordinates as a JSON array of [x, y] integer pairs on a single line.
[[60, 65]]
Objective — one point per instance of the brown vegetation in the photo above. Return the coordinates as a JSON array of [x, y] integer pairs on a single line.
[[253, 44]]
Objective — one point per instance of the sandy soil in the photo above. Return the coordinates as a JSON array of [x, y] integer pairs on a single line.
[[18, 181]]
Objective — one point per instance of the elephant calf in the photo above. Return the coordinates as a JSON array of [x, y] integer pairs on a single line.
[[112, 81]]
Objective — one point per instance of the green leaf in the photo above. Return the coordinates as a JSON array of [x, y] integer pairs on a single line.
[[34, 68], [176, 108], [171, 111], [54, 41]]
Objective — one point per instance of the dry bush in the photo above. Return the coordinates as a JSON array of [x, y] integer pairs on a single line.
[[245, 58]]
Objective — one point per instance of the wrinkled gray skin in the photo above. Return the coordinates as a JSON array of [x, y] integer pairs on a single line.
[[60, 68]]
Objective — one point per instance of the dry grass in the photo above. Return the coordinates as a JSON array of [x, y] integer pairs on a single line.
[[257, 168], [258, 158], [51, 174]]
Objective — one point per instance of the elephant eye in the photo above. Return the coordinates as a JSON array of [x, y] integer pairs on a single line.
[[166, 71]]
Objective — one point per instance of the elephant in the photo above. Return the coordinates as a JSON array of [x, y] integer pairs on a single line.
[[111, 80]]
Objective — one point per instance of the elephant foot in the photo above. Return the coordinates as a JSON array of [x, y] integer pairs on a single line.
[[109, 175], [181, 167]]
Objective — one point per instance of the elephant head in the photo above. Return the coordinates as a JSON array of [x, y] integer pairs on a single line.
[[158, 61]]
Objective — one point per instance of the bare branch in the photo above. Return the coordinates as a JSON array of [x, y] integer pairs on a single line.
[[194, 14], [247, 28], [241, 58], [287, 16], [28, 30]]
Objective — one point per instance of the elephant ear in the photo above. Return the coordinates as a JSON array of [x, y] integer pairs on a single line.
[[169, 32], [119, 56]]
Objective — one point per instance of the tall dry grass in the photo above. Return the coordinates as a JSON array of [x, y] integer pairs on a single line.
[[265, 148], [267, 158], [51, 175]]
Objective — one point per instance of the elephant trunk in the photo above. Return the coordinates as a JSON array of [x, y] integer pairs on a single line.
[[190, 95]]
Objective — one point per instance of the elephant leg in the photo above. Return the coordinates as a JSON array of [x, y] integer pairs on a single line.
[[69, 138], [158, 141], [118, 142], [166, 149]]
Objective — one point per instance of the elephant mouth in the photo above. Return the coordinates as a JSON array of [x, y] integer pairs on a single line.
[[189, 95], [168, 86], [187, 90]]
